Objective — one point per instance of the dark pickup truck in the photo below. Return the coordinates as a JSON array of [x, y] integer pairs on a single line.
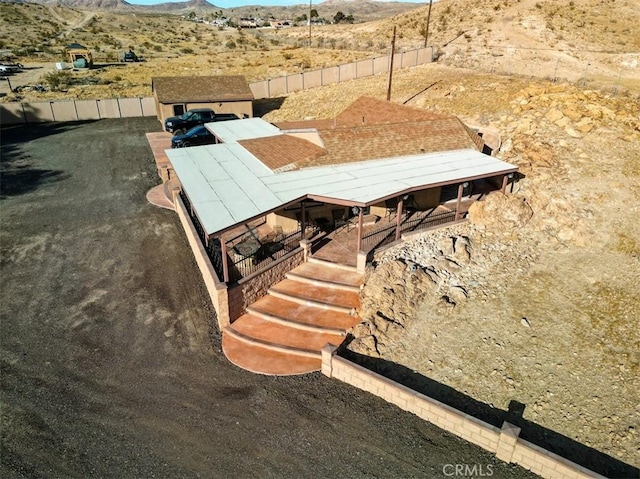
[[198, 116]]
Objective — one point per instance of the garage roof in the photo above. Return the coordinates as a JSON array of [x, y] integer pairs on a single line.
[[204, 89]]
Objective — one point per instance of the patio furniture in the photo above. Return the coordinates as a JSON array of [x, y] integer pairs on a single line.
[[410, 205], [268, 249], [340, 218], [245, 252], [391, 206]]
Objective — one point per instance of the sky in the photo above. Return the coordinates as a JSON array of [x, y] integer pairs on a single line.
[[237, 3]]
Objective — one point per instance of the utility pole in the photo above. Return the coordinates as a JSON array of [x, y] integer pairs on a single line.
[[310, 23], [426, 30], [393, 51]]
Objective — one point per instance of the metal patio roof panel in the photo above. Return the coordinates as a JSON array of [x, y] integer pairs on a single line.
[[214, 215], [248, 189], [234, 152], [320, 179], [245, 187], [236, 130]]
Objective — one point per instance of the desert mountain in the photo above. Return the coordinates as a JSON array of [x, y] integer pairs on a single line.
[[366, 9]]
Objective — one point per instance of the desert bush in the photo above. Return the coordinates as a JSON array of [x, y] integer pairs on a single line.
[[58, 80]]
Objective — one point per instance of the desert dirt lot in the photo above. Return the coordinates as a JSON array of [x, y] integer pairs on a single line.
[[111, 360]]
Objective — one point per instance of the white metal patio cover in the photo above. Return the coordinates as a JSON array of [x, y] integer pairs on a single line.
[[227, 185], [236, 130]]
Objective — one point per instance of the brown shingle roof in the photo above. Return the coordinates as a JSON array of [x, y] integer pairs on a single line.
[[367, 111], [389, 130], [371, 111], [283, 150], [201, 89], [305, 124], [371, 142]]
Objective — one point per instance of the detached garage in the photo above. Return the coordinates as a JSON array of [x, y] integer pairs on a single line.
[[223, 94]]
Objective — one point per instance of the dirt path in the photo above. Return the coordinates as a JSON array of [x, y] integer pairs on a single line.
[[111, 364], [79, 23]]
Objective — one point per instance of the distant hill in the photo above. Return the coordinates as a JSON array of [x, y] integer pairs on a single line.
[[362, 10], [88, 4]]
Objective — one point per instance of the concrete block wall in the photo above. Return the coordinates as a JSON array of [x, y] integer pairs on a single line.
[[217, 289], [547, 464], [364, 68], [348, 71], [312, 79], [87, 110], [75, 110], [503, 442], [380, 65], [330, 75]]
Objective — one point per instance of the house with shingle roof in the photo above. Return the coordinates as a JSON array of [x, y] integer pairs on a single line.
[[266, 197], [223, 94]]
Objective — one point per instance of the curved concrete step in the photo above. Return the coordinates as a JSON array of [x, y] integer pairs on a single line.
[[315, 295], [319, 274], [157, 196], [331, 264], [255, 358], [300, 316], [281, 337]]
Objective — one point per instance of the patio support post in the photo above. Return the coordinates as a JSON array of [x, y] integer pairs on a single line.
[[303, 225], [399, 217], [460, 190], [360, 221], [225, 265], [505, 180]]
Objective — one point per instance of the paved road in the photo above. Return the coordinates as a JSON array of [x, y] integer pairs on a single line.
[[111, 361]]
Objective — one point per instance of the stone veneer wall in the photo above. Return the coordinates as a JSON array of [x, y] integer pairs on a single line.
[[503, 442], [254, 287]]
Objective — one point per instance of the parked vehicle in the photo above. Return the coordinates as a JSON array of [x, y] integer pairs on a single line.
[[198, 116], [7, 68], [198, 135], [131, 57]]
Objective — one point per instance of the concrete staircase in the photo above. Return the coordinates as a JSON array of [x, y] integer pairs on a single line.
[[283, 332]]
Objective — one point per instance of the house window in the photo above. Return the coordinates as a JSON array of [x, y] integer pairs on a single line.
[[178, 110]]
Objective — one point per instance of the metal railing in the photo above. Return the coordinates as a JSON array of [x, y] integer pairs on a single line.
[[386, 234], [269, 252]]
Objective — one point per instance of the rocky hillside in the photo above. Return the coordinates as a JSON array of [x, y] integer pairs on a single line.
[[535, 299], [552, 39]]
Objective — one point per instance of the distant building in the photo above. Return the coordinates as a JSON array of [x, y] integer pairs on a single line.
[[223, 94]]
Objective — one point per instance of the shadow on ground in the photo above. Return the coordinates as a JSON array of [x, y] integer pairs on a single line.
[[17, 173], [532, 432], [263, 106]]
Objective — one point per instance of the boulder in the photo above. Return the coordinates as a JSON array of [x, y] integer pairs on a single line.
[[500, 211], [554, 115]]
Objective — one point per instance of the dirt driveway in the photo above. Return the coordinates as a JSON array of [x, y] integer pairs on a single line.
[[111, 360]]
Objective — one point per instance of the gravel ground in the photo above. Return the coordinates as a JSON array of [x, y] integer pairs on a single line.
[[111, 363]]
